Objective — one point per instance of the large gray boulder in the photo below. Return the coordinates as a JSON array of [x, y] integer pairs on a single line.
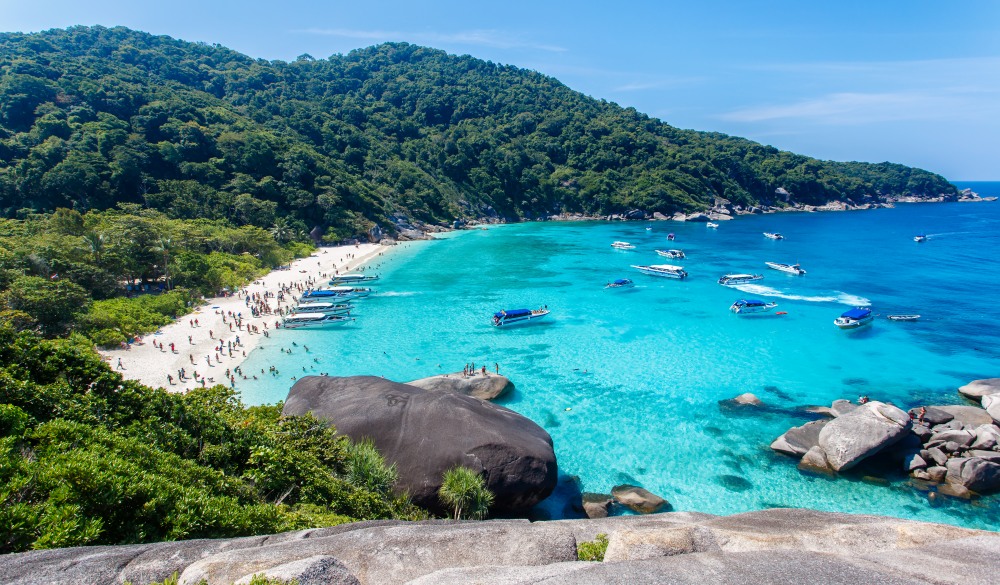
[[798, 440], [968, 416], [638, 499], [862, 432], [991, 402], [976, 389], [974, 473], [426, 432], [483, 387]]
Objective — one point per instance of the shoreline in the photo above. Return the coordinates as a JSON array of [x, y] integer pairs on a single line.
[[196, 335]]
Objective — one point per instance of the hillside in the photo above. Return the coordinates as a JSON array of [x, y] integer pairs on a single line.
[[92, 117]]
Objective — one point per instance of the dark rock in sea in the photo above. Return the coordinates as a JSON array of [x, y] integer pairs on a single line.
[[979, 388], [734, 483], [955, 491], [483, 387], [424, 433], [864, 431], [798, 440], [638, 499], [596, 505], [932, 415], [747, 399]]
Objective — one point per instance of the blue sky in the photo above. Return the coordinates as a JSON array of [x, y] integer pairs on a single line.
[[910, 81]]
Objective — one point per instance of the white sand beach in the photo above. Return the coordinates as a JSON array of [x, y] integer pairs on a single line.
[[196, 337]]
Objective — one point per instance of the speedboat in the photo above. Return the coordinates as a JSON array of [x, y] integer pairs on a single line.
[[920, 238], [304, 320], [731, 279], [903, 317], [622, 246], [712, 225], [671, 253], [349, 278], [324, 307], [336, 292], [665, 270], [789, 268], [856, 317], [649, 228], [620, 283], [751, 306], [773, 236], [671, 237], [517, 316]]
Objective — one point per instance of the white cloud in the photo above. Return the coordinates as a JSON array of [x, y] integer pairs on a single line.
[[484, 38]]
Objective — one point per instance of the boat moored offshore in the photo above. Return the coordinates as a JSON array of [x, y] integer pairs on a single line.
[[712, 225], [920, 238], [620, 283], [789, 268], [664, 270], [733, 279], [903, 317], [773, 236], [856, 317], [751, 306], [622, 246], [508, 318], [672, 253], [313, 320]]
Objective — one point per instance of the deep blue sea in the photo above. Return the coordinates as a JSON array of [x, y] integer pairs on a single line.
[[629, 382]]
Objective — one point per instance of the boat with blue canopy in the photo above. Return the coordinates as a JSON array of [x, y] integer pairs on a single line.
[[620, 283], [336, 292], [733, 279], [510, 317], [856, 317], [751, 306]]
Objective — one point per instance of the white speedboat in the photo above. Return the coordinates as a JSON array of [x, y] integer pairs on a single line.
[[789, 268], [512, 317], [773, 236], [324, 307], [622, 246], [352, 278], [665, 270], [313, 320], [731, 279], [672, 253], [712, 225], [751, 306], [903, 317], [920, 238], [338, 293], [620, 283], [856, 317]]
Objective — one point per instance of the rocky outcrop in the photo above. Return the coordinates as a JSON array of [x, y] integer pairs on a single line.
[[798, 441], [769, 546], [976, 389], [862, 432], [482, 386], [967, 415], [425, 432], [748, 399], [638, 499], [991, 402]]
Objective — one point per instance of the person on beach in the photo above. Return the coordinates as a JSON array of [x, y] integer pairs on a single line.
[[120, 366]]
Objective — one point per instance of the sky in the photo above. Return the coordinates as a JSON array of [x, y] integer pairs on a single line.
[[909, 81]]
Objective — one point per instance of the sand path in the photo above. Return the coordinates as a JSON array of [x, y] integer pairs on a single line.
[[196, 336]]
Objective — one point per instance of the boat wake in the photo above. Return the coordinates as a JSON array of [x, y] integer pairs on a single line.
[[397, 293], [836, 297]]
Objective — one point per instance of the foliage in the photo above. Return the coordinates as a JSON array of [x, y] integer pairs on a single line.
[[89, 458], [466, 493], [91, 117], [593, 550]]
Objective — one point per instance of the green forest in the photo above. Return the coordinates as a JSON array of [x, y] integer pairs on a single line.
[[139, 173]]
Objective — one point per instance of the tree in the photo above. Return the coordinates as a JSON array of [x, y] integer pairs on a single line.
[[465, 491], [52, 302]]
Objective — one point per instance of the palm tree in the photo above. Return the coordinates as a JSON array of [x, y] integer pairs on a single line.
[[163, 246], [465, 491], [281, 230], [95, 242]]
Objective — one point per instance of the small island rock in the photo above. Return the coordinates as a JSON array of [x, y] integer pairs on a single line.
[[638, 499], [748, 399], [478, 386], [979, 388]]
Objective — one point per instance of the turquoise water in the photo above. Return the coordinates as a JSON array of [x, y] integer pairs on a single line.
[[629, 382]]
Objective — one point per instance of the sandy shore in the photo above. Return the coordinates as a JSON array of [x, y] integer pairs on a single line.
[[196, 343]]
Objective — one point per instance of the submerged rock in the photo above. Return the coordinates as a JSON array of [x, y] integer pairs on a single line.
[[748, 399], [425, 433], [864, 431]]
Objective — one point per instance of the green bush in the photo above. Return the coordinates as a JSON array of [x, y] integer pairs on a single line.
[[107, 338], [593, 550]]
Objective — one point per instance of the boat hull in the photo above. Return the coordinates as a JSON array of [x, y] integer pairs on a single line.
[[520, 320], [743, 279], [786, 268], [848, 324], [678, 274], [324, 324]]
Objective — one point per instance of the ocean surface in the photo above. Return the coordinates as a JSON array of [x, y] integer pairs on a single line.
[[629, 382]]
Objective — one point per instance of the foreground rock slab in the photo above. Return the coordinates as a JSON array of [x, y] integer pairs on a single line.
[[426, 432], [769, 546]]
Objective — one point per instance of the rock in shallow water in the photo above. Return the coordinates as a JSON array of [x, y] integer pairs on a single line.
[[798, 440], [979, 388], [638, 499], [864, 431], [426, 432]]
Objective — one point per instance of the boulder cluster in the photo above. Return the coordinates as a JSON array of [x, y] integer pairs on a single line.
[[769, 546], [954, 448]]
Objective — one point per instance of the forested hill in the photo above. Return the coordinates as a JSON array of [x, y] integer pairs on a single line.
[[94, 117]]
